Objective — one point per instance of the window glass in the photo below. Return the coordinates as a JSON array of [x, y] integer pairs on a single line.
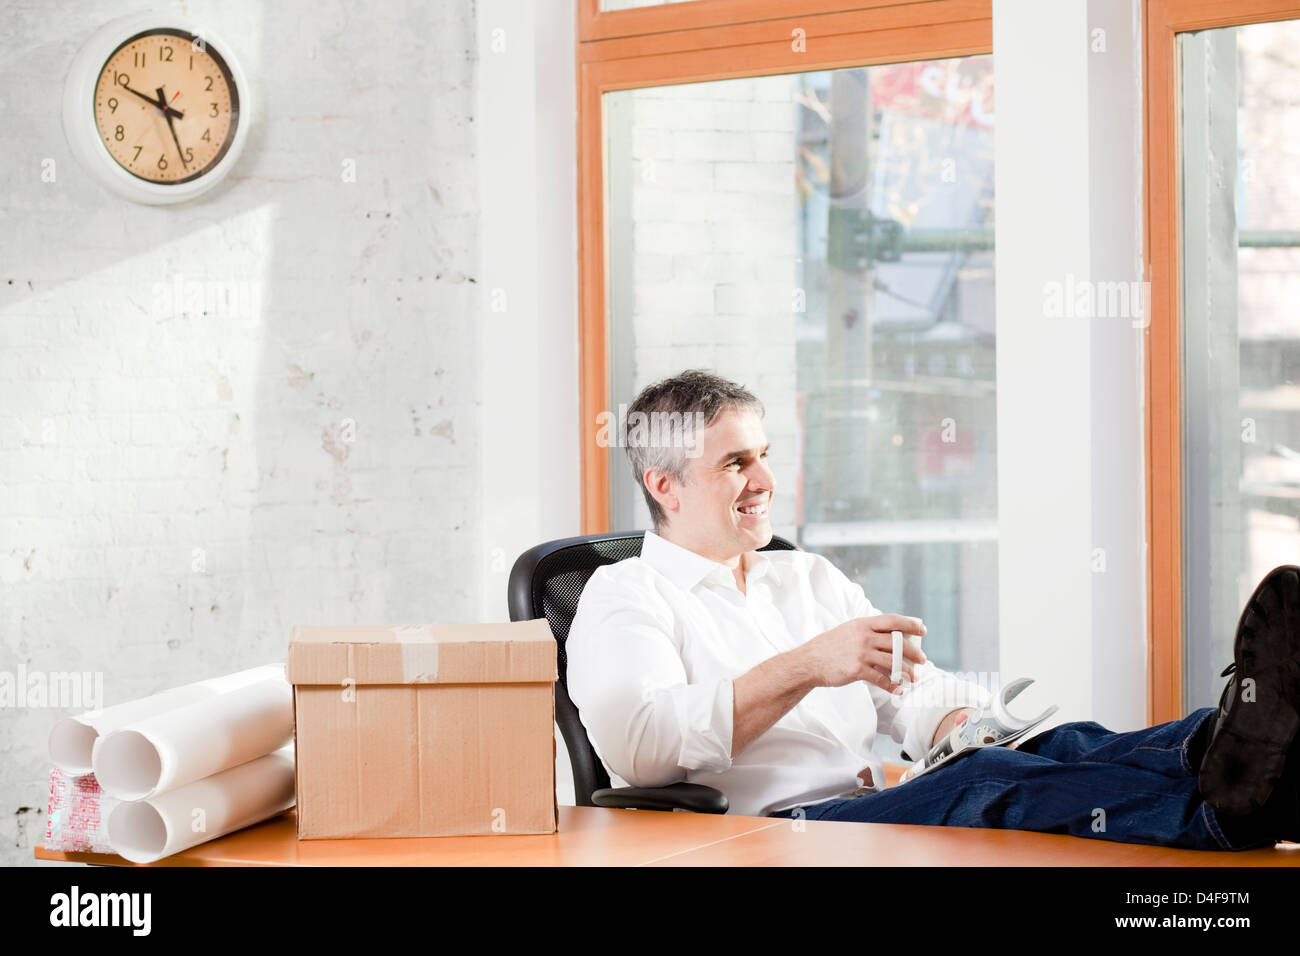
[[826, 240]]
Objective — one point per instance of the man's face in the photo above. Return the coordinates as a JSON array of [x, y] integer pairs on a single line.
[[729, 474]]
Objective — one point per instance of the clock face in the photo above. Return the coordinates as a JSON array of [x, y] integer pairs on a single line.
[[166, 106]]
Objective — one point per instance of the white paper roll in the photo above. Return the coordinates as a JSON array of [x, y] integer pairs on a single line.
[[72, 739], [169, 750], [149, 830]]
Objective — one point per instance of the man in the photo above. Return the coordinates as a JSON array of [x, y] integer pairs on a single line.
[[767, 676]]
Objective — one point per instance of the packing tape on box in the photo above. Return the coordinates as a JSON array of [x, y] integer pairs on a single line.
[[169, 750], [419, 654], [147, 830], [73, 740]]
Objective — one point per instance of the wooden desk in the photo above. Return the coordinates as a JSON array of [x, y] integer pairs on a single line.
[[592, 836]]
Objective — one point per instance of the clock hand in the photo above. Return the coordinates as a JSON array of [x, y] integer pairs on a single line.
[[153, 102], [171, 125], [167, 104]]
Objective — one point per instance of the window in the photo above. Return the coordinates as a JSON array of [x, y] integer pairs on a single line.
[[824, 236], [1240, 137], [1222, 224]]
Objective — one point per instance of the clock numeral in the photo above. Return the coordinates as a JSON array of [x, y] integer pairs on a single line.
[[112, 104], [121, 79], [137, 58], [165, 54], [119, 134], [189, 154], [191, 63], [208, 88], [214, 110], [207, 135], [137, 153], [162, 161]]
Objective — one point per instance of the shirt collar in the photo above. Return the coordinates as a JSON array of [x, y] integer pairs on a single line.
[[686, 569]]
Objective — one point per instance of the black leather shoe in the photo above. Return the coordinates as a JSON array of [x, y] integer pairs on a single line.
[[1278, 819], [1282, 811], [1259, 711]]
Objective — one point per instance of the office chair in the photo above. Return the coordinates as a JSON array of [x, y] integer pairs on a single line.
[[547, 581]]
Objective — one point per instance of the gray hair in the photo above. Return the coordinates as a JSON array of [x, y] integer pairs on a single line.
[[694, 397]]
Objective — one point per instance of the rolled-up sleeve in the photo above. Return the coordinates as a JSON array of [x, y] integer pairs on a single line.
[[912, 717], [626, 677]]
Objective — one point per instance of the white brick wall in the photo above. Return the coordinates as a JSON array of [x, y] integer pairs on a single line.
[[140, 441]]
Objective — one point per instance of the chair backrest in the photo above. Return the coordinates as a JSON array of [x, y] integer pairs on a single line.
[[547, 581]]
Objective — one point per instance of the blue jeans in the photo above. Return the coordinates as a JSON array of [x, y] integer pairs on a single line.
[[1078, 778]]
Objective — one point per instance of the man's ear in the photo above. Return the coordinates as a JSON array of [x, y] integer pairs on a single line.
[[662, 489]]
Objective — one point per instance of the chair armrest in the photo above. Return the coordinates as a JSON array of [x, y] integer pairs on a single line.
[[676, 796]]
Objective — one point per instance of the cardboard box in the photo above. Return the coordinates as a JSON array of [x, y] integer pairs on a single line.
[[424, 731]]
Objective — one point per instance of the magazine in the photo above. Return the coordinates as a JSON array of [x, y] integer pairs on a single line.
[[994, 726]]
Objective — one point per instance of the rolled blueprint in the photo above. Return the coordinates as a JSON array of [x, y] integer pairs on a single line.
[[160, 753], [149, 830], [73, 739]]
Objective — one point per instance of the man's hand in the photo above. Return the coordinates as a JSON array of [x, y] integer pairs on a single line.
[[951, 720], [863, 649]]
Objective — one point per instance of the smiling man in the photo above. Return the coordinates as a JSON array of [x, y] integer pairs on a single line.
[[767, 676]]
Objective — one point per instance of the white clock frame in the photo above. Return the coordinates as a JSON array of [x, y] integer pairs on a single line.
[[79, 110]]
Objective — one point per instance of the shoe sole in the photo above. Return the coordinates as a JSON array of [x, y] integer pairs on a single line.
[[1249, 749]]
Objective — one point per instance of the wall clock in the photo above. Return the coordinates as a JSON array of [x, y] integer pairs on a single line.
[[156, 108]]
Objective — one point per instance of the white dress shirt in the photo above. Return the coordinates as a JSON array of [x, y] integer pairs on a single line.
[[654, 648]]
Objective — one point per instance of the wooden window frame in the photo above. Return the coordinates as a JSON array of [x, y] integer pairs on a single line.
[[1164, 20], [699, 41]]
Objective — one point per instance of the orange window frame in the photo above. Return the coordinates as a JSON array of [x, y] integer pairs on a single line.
[[699, 41], [1164, 20]]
